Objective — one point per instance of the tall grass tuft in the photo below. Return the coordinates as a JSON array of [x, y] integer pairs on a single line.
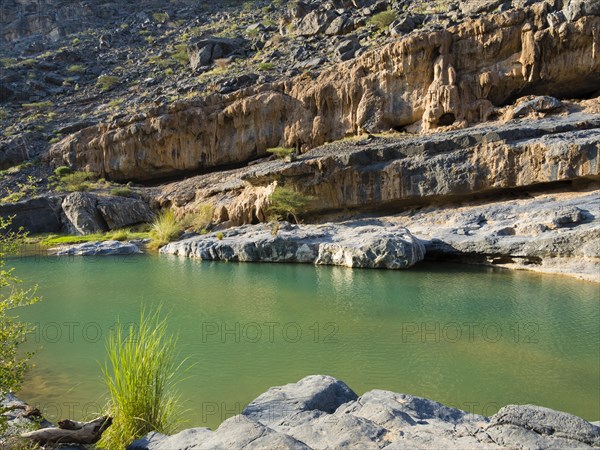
[[165, 228], [140, 376]]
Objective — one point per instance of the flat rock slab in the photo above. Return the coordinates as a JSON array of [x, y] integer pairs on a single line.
[[100, 248], [320, 412], [361, 243]]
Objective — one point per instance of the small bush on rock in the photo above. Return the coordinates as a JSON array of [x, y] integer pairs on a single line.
[[286, 202], [281, 152], [165, 229], [383, 19], [121, 192], [62, 171]]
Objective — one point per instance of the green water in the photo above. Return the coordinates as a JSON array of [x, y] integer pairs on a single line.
[[470, 337]]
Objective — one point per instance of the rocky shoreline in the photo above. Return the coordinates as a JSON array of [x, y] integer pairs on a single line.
[[546, 232], [320, 412]]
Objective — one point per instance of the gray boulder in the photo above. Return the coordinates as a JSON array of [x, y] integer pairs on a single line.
[[119, 212], [236, 432], [402, 26], [340, 25], [540, 104], [347, 48], [313, 393], [98, 248], [530, 426], [576, 9], [81, 214], [204, 52], [36, 215], [315, 22], [187, 439], [86, 213]]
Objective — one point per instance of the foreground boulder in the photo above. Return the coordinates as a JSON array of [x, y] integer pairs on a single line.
[[320, 412], [366, 244]]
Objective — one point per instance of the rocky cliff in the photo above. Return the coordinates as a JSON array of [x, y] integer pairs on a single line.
[[429, 79], [378, 173]]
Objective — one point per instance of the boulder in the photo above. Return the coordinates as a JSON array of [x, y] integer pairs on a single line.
[[402, 26], [530, 426], [87, 213], [347, 48], [204, 52], [576, 9], [36, 215], [340, 25], [81, 214], [313, 393], [236, 432], [119, 212], [98, 248], [315, 22], [540, 104]]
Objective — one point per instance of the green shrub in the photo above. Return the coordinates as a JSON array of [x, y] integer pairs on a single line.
[[220, 236], [118, 235], [62, 171], [160, 17], [198, 220], [266, 66], [38, 105], [165, 228], [140, 375], [383, 19], [105, 82], [181, 54], [13, 197], [76, 181], [121, 192], [76, 68], [286, 202], [281, 152]]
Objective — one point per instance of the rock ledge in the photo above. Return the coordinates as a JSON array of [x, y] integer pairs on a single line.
[[367, 244]]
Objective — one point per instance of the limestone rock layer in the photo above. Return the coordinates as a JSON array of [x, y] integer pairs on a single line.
[[429, 79]]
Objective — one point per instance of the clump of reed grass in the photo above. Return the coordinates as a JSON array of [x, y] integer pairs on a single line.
[[165, 229], [141, 376]]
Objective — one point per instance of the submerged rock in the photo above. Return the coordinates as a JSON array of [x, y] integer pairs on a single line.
[[320, 412], [104, 248], [367, 244]]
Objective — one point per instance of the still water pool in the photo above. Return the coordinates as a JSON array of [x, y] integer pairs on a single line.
[[470, 337]]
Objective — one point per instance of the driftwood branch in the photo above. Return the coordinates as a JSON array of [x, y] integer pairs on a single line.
[[71, 432]]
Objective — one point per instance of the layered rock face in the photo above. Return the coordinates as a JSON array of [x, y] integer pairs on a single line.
[[381, 173], [430, 79], [320, 412], [366, 244]]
